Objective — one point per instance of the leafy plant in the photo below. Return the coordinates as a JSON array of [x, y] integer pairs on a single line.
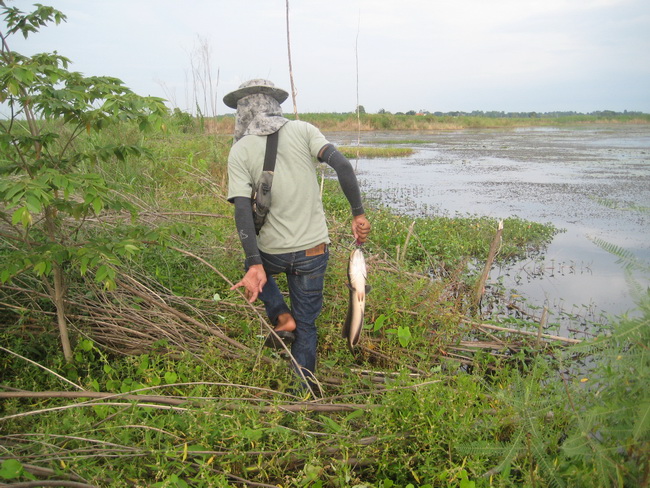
[[45, 200], [526, 408], [612, 408]]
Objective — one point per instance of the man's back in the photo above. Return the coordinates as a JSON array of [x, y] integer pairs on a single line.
[[296, 220]]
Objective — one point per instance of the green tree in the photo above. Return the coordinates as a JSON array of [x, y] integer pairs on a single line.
[[45, 196]]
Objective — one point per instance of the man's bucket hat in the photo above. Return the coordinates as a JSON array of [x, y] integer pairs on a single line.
[[252, 87]]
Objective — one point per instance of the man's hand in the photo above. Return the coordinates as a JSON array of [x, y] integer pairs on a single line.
[[360, 228], [254, 280]]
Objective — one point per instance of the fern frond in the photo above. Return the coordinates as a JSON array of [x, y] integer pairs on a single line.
[[509, 452], [642, 423], [614, 205], [577, 446], [637, 289], [626, 257], [483, 448], [543, 460]]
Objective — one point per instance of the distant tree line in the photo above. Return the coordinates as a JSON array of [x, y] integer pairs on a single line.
[[490, 114], [501, 114]]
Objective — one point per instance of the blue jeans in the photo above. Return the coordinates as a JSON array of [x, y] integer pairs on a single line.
[[305, 277]]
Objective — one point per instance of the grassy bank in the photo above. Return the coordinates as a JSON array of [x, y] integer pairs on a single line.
[[367, 152], [170, 385], [332, 122]]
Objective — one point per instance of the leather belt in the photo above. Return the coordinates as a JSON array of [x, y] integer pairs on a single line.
[[316, 250]]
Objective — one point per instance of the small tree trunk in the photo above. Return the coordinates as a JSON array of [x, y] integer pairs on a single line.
[[59, 303], [58, 291]]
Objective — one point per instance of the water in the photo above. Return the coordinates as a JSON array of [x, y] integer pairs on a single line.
[[593, 181]]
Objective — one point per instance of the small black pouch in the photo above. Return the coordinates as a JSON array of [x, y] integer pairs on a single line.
[[261, 196]]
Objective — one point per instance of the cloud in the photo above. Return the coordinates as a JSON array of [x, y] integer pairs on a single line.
[[525, 55]]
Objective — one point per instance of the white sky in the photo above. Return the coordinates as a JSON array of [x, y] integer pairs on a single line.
[[435, 55]]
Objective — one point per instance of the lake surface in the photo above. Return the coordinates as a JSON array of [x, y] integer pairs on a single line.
[[593, 181]]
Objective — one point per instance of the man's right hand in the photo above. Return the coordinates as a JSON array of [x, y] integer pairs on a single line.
[[254, 280], [360, 228]]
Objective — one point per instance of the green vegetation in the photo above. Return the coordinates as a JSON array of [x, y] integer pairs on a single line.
[[167, 383], [368, 152]]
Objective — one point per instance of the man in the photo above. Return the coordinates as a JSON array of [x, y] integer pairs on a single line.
[[294, 237]]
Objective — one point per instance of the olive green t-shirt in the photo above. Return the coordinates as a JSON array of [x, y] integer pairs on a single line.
[[296, 220]]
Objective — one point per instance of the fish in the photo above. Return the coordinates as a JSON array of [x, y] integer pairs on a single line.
[[357, 276]]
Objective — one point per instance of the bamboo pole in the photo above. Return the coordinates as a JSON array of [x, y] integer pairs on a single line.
[[293, 86], [494, 247], [401, 256], [356, 53]]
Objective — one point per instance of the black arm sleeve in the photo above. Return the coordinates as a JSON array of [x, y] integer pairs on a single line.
[[346, 176], [246, 230]]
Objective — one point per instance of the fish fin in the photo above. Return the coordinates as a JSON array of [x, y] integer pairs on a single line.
[[368, 289]]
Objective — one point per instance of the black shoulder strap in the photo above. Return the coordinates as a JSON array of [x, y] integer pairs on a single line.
[[271, 151]]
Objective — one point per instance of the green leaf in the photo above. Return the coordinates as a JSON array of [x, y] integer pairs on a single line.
[[354, 415], [83, 265], [23, 75], [109, 284], [10, 469], [102, 273], [5, 275], [41, 268], [252, 434], [404, 335], [144, 364], [333, 426], [97, 204], [379, 323], [15, 193], [170, 377], [22, 216], [13, 87], [33, 203], [131, 249]]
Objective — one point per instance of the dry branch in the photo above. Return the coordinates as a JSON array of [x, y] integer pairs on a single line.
[[54, 483], [177, 401], [93, 394], [480, 326]]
